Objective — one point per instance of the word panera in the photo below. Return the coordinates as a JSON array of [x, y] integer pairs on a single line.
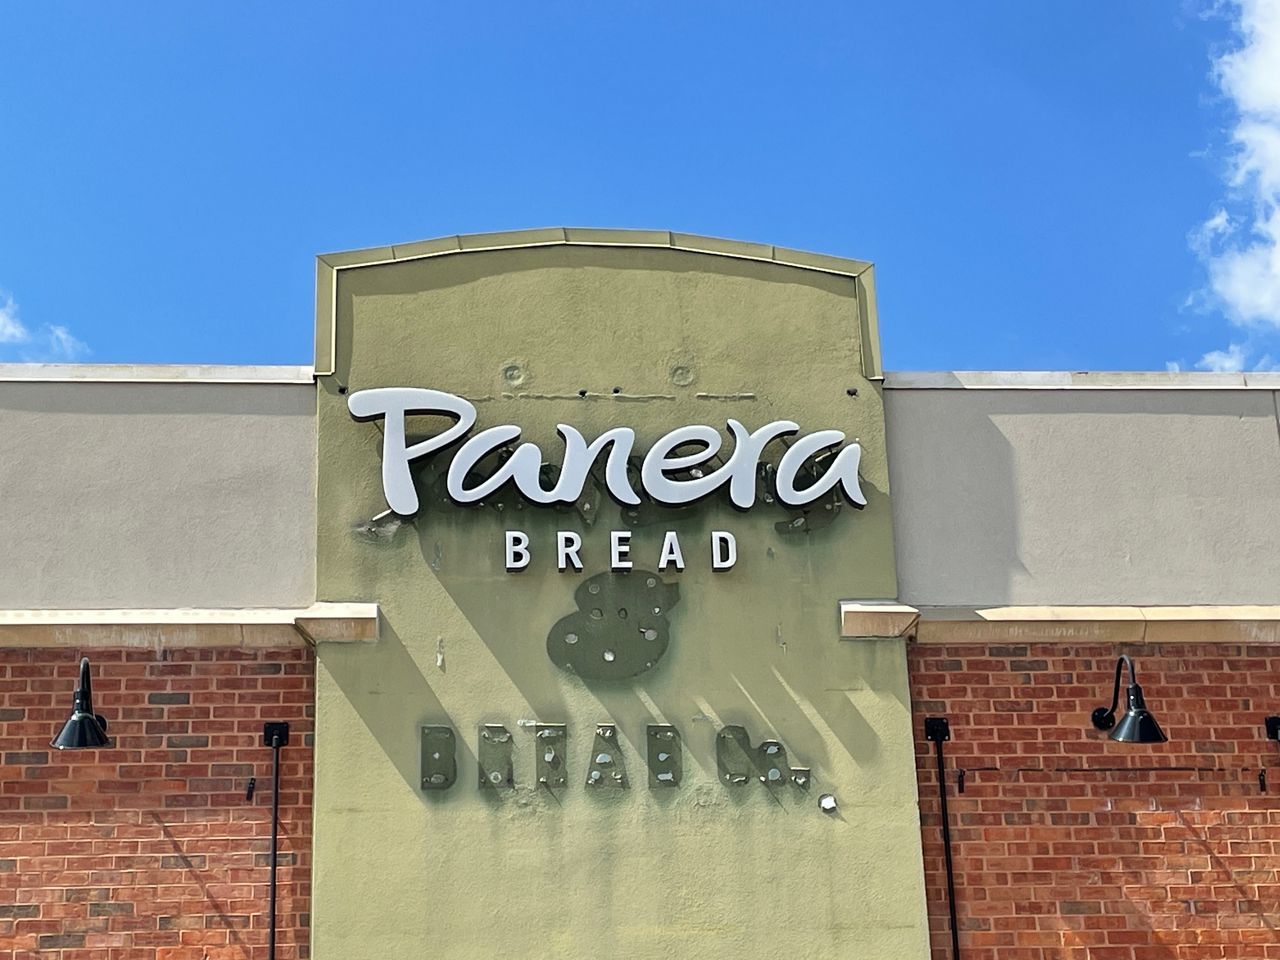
[[525, 465]]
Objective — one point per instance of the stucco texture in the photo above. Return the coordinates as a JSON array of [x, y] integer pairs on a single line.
[[154, 495], [1005, 497], [704, 870]]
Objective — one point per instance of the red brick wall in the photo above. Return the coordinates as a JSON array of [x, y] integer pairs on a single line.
[[149, 850], [1059, 856]]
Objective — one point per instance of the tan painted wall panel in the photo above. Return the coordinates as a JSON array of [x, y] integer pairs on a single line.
[[141, 495], [1085, 496]]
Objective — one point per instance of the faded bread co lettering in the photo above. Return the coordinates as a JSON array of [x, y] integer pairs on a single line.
[[658, 470]]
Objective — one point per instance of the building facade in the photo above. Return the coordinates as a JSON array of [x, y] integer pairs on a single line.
[[606, 582]]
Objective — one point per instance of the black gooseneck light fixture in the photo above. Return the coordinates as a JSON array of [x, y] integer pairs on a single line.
[[1138, 725], [84, 730]]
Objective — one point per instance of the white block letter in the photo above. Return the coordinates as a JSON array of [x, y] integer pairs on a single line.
[[724, 550], [567, 545], [671, 552], [517, 550], [619, 549]]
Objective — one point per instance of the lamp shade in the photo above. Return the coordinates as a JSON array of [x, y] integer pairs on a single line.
[[83, 730], [1138, 725]]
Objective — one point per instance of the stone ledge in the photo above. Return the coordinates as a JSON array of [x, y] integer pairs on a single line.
[[153, 373], [870, 621], [1082, 380], [319, 623], [1103, 624]]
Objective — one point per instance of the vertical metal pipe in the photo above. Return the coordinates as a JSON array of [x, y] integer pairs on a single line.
[[946, 849], [936, 730], [275, 843]]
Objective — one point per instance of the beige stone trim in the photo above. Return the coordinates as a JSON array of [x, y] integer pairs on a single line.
[[328, 265], [1077, 380], [1026, 624], [1118, 624], [319, 623], [862, 621], [152, 373], [1226, 624]]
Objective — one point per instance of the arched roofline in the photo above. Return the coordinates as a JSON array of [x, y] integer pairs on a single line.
[[328, 265]]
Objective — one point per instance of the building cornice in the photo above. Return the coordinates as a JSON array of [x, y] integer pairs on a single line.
[[153, 373], [1048, 624], [893, 380], [1077, 380], [319, 623]]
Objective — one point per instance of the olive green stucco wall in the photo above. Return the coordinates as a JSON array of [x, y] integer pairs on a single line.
[[706, 870]]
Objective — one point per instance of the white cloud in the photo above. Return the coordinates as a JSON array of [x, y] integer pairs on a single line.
[[1236, 358], [11, 328], [1240, 243], [1230, 360], [48, 343], [63, 345]]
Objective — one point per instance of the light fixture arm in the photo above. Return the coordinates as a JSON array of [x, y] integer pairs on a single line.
[[1103, 718], [83, 699]]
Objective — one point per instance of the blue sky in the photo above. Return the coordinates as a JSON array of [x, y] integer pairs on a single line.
[[1042, 186]]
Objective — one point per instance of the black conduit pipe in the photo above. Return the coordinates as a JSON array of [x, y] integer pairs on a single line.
[[937, 730], [276, 735]]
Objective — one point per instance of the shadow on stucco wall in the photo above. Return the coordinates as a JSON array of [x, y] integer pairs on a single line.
[[771, 664]]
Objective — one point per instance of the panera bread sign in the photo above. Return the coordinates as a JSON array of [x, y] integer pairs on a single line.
[[683, 467]]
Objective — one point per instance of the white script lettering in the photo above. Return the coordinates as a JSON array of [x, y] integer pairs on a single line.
[[739, 471]]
